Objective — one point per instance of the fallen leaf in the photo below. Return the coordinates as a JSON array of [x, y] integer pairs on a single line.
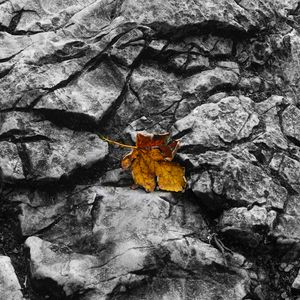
[[151, 163]]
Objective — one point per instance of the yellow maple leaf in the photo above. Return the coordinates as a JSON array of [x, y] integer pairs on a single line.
[[151, 163]]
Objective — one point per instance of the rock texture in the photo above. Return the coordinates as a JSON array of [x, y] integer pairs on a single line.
[[132, 235], [10, 288], [220, 75]]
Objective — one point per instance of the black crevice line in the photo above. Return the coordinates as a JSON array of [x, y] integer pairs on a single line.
[[89, 66], [25, 159], [24, 139], [5, 72], [112, 110]]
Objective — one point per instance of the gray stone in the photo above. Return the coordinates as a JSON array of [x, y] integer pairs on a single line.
[[189, 63], [48, 60], [105, 86], [70, 70], [10, 162], [296, 283], [156, 92], [10, 288], [237, 180], [230, 65], [216, 97], [215, 46], [41, 209], [155, 89], [272, 136], [74, 272], [288, 168], [175, 14], [42, 151], [247, 225], [288, 227], [130, 234], [12, 45], [216, 124], [42, 16], [128, 47], [208, 81], [291, 122], [291, 67]]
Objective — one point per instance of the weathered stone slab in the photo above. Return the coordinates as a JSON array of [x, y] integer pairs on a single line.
[[10, 288]]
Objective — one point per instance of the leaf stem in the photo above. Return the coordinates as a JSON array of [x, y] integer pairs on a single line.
[[117, 143]]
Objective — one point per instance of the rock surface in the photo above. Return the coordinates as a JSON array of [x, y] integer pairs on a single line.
[[10, 288], [215, 124], [220, 75], [133, 236], [39, 150]]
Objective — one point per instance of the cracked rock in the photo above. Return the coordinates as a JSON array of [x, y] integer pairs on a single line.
[[85, 206], [26, 83], [157, 95], [128, 47], [135, 236], [12, 45], [209, 81], [291, 122], [246, 225], [272, 136], [172, 14], [10, 162], [288, 227], [70, 70], [10, 288], [189, 63], [45, 16], [234, 181], [105, 85], [217, 124], [45, 151], [215, 46], [288, 168]]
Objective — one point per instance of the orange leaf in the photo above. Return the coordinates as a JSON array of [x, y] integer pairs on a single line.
[[150, 162]]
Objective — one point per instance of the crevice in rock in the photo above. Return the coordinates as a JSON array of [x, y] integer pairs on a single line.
[[71, 120], [11, 245], [266, 260], [173, 33], [48, 289], [5, 72], [116, 10], [61, 84], [11, 28], [10, 137], [47, 228], [283, 182], [25, 159], [60, 56], [15, 21], [109, 114], [293, 140], [95, 61]]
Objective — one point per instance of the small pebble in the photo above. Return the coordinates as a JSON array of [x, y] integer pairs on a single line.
[[253, 275], [283, 266], [288, 268], [123, 289]]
